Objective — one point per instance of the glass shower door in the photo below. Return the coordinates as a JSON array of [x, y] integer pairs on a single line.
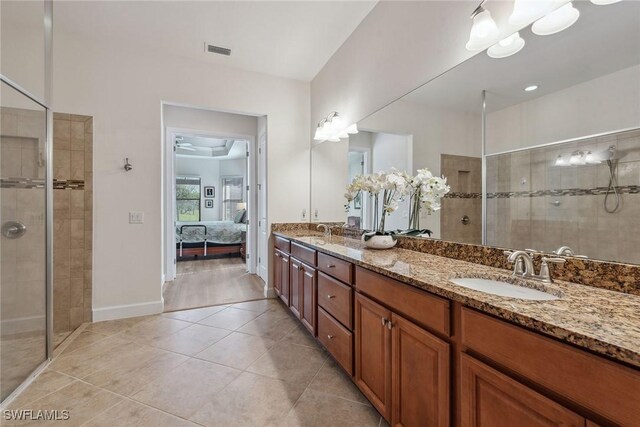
[[23, 258]]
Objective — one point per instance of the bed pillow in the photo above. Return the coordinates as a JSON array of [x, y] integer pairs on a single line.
[[239, 216]]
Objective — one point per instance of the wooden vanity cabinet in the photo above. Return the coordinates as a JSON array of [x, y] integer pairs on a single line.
[[281, 275], [401, 368], [309, 295]]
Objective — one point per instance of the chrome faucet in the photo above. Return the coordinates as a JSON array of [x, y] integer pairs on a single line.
[[564, 251], [326, 230], [523, 265]]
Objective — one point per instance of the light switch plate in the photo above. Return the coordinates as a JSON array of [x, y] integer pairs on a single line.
[[136, 217]]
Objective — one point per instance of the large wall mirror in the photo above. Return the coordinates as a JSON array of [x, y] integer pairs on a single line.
[[541, 149]]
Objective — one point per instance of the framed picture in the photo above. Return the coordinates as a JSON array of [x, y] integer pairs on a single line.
[[357, 202], [208, 203], [209, 193]]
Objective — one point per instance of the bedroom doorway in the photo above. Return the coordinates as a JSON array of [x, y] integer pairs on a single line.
[[209, 232]]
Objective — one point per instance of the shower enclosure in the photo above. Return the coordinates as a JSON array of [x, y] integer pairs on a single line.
[[25, 192]]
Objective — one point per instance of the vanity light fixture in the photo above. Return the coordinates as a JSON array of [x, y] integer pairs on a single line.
[[604, 2], [530, 88], [506, 47], [484, 31], [526, 11], [556, 21], [581, 158], [332, 128]]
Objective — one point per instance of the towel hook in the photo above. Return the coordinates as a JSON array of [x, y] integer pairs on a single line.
[[127, 165]]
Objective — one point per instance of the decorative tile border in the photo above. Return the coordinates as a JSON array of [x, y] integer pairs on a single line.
[[24, 183], [600, 274], [454, 195], [598, 191], [72, 184]]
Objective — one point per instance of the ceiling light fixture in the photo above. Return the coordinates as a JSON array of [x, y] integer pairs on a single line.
[[484, 31], [527, 11], [530, 88], [506, 47], [604, 2], [556, 21], [332, 128]]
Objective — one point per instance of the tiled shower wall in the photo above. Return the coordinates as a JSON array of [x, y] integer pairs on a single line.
[[531, 203], [464, 176], [72, 220]]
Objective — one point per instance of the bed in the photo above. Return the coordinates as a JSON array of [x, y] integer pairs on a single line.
[[210, 238]]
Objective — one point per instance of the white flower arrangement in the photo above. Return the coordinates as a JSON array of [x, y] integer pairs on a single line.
[[424, 190]]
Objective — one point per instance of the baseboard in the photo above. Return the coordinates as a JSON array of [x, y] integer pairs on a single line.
[[23, 325], [129, 310]]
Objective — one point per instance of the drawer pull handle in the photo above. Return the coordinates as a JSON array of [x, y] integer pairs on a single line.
[[389, 325], [330, 337], [330, 296], [331, 266]]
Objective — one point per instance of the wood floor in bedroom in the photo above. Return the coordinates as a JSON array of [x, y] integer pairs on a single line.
[[203, 283]]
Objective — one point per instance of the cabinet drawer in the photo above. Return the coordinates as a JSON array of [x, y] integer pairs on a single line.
[[304, 253], [604, 387], [428, 310], [282, 244], [336, 298], [340, 269], [337, 340]]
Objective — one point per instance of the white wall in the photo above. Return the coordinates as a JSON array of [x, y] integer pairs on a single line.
[[215, 123], [604, 104], [123, 91]]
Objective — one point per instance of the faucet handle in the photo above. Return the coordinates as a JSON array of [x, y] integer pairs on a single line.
[[554, 260], [545, 273]]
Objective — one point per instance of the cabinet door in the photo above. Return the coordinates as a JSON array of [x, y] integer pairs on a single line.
[[373, 353], [284, 282], [295, 283], [309, 293], [419, 376], [277, 272], [490, 398]]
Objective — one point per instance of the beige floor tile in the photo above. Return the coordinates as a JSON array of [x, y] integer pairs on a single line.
[[196, 314], [83, 339], [332, 379], [237, 350], [230, 318], [186, 388], [250, 400], [258, 306], [130, 413], [301, 336], [191, 340], [319, 409], [288, 362], [46, 383], [83, 401], [153, 329], [93, 357], [271, 324], [129, 376]]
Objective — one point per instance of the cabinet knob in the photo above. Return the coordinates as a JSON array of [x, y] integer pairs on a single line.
[[384, 321], [389, 325], [330, 296], [331, 266], [330, 337]]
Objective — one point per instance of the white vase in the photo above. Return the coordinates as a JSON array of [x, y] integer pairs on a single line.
[[379, 242]]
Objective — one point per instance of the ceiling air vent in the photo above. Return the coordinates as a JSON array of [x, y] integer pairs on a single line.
[[217, 49]]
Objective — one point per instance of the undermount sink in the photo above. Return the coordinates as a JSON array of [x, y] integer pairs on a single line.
[[503, 289]]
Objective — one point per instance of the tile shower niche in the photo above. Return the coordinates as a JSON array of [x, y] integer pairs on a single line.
[[532, 202], [72, 222]]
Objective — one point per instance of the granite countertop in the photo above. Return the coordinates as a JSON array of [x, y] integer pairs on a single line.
[[603, 321]]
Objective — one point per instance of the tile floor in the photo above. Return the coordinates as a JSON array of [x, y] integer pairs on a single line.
[[207, 282], [247, 364]]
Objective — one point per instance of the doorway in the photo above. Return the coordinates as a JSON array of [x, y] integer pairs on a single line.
[[210, 208]]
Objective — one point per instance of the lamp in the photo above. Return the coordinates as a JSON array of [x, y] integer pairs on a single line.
[[604, 2], [484, 30], [558, 20], [506, 47], [333, 128], [526, 11]]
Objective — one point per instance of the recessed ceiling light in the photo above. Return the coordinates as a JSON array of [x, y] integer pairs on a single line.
[[530, 88]]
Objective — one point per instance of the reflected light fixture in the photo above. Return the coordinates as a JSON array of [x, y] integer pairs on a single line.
[[530, 88], [484, 31], [527, 11], [556, 21], [506, 47], [604, 2], [333, 128]]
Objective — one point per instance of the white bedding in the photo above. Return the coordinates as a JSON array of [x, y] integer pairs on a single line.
[[224, 232]]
